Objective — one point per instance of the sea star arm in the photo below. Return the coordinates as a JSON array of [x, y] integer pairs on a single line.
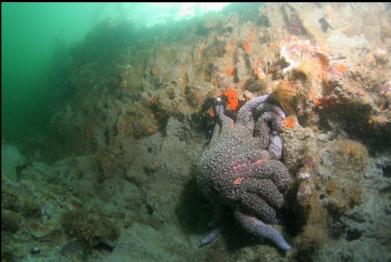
[[269, 169], [211, 237], [256, 227], [245, 114], [257, 206], [275, 147], [275, 170], [275, 120], [266, 189], [264, 107], [261, 132], [224, 120]]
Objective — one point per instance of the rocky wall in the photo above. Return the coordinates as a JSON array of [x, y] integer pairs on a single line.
[[141, 116]]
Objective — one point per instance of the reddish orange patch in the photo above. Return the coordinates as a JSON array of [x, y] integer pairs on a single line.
[[229, 71], [259, 161], [326, 101], [238, 180], [340, 68], [247, 47], [232, 97], [259, 72], [317, 102], [290, 122]]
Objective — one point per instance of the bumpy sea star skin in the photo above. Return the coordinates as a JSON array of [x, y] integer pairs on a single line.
[[270, 137], [240, 167], [212, 236], [258, 228]]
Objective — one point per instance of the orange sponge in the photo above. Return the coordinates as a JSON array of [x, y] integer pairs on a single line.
[[290, 122], [232, 98]]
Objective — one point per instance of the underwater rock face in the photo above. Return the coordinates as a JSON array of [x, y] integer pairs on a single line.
[[318, 76], [344, 167], [142, 243], [299, 144], [130, 138], [363, 230], [335, 202]]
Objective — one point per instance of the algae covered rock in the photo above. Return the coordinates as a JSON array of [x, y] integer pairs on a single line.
[[10, 220], [346, 163], [331, 185], [89, 228], [299, 142]]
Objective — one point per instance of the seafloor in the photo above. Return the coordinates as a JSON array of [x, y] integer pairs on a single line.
[[120, 184]]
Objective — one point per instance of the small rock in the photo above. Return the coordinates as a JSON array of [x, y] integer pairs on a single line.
[[381, 55], [35, 250], [387, 171], [10, 221], [152, 166], [72, 248], [323, 137]]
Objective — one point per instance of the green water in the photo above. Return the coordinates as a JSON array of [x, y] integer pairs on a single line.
[[35, 47]]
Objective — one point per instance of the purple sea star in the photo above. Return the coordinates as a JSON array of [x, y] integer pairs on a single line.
[[240, 168]]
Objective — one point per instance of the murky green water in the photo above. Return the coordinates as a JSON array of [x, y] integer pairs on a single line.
[[36, 38]]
